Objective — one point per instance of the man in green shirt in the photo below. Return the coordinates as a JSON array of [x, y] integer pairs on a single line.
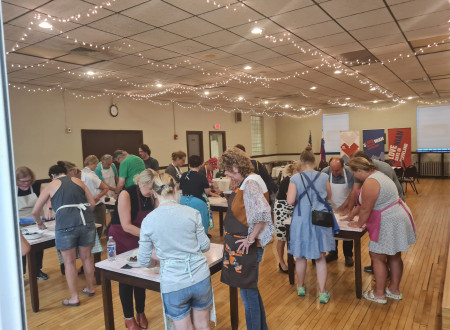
[[130, 165]]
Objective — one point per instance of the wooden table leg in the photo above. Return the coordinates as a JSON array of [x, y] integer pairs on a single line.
[[97, 258], [358, 273], [234, 310], [32, 277], [221, 222], [107, 303]]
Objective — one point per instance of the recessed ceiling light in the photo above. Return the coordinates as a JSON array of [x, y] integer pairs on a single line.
[[410, 97], [90, 73], [286, 106], [337, 72], [347, 98], [376, 101], [206, 92], [247, 67], [303, 108], [266, 102], [240, 98], [45, 25], [313, 87], [372, 89], [256, 30], [158, 85]]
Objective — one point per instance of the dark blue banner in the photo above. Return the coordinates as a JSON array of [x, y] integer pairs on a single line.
[[373, 142]]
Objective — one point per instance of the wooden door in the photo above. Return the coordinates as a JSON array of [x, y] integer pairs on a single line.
[[194, 143]]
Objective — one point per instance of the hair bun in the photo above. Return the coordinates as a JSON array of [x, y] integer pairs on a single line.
[[61, 163], [308, 148]]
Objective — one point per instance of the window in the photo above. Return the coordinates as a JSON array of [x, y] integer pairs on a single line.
[[257, 127], [433, 128], [332, 127]]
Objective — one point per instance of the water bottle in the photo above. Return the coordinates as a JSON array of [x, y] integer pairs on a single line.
[[111, 248]]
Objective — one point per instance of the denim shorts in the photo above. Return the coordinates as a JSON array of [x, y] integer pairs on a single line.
[[178, 304], [69, 238]]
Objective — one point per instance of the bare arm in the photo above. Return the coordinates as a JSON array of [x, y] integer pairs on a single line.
[[124, 209], [347, 206], [329, 193], [104, 191], [120, 185], [369, 195], [291, 195], [43, 197], [24, 245]]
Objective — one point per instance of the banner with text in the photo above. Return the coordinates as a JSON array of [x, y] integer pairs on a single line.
[[399, 146], [349, 144], [373, 143]]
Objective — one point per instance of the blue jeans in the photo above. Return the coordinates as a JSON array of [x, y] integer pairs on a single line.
[[255, 316]]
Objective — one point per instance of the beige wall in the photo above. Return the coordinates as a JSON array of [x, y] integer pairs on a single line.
[[39, 122]]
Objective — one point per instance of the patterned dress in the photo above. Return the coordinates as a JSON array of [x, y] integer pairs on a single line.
[[396, 229], [282, 210]]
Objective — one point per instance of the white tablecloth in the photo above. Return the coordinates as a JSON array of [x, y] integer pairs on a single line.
[[222, 183], [276, 171]]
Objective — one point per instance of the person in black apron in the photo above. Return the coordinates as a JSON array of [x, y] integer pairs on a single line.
[[27, 195], [132, 206], [248, 226]]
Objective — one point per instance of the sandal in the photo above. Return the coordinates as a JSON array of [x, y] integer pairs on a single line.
[[87, 292], [324, 297], [370, 296], [394, 296], [67, 303], [301, 291]]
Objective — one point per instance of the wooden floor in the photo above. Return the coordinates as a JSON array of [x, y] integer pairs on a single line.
[[422, 285]]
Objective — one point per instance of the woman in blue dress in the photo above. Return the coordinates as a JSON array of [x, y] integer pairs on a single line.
[[308, 241]]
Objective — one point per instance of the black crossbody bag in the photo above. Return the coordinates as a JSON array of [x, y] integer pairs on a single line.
[[320, 218]]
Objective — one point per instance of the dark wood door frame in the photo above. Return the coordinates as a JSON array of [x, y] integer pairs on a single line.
[[200, 134], [224, 142]]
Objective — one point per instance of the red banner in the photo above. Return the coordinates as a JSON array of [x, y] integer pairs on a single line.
[[399, 146]]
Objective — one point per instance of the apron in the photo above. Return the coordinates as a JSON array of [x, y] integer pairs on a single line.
[[339, 192], [125, 241], [108, 178], [239, 270], [26, 203], [374, 221]]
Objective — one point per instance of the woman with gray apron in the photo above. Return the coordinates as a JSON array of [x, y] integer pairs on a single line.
[[132, 206], [27, 196], [248, 226]]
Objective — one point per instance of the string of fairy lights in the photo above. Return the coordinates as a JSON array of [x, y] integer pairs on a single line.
[[229, 76]]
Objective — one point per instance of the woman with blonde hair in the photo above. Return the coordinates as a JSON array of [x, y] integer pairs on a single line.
[[390, 225], [249, 228], [133, 205], [282, 211], [179, 240], [309, 190]]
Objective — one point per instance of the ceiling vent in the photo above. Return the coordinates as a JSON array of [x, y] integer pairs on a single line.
[[357, 58], [84, 51]]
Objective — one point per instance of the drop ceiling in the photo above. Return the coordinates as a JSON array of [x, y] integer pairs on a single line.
[[175, 50]]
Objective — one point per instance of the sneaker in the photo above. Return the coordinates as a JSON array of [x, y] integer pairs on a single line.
[[349, 262], [301, 291], [324, 297], [41, 276], [331, 257], [368, 269]]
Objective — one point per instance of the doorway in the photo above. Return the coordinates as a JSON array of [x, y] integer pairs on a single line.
[[217, 143], [194, 143]]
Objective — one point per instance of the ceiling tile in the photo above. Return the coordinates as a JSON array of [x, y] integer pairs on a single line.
[[418, 8], [425, 21], [29, 4], [91, 35], [158, 54], [118, 6], [41, 52], [301, 17], [383, 41], [120, 25], [186, 47], [156, 13], [227, 18], [157, 37], [332, 40], [198, 7], [191, 27], [342, 8], [10, 12], [272, 8], [218, 39], [373, 17]]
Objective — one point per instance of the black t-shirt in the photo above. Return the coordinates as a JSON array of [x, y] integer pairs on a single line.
[[147, 204], [36, 189], [193, 184], [284, 186]]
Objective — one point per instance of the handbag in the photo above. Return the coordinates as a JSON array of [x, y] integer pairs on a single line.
[[319, 218]]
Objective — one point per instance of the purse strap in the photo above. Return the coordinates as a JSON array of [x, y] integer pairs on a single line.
[[306, 191], [324, 202]]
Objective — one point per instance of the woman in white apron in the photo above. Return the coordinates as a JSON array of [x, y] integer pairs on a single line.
[[26, 199]]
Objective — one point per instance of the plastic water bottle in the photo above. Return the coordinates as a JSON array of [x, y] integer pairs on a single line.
[[111, 248]]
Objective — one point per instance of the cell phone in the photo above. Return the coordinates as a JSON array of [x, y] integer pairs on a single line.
[[107, 199]]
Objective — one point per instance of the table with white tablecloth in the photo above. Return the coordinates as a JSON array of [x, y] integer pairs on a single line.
[[277, 170]]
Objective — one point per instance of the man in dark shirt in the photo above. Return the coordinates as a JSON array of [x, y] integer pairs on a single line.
[[144, 153]]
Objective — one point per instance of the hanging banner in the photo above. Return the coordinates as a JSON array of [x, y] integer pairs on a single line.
[[349, 144], [373, 143], [399, 146]]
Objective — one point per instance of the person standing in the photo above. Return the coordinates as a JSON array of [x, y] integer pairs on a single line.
[[178, 160], [176, 234], [249, 228], [144, 153], [130, 165], [107, 172], [341, 181], [133, 205], [27, 195]]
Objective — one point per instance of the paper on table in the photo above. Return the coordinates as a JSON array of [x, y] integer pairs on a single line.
[[344, 225]]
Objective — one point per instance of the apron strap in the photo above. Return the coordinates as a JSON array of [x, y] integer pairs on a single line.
[[82, 207]]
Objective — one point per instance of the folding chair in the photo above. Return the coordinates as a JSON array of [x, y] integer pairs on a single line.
[[409, 176]]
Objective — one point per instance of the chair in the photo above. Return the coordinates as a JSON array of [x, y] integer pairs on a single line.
[[409, 176]]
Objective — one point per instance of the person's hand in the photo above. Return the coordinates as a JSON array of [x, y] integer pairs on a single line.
[[347, 218], [49, 215], [354, 224], [41, 226], [96, 199], [245, 245]]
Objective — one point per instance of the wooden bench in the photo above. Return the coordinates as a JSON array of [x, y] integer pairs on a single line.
[[446, 297]]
